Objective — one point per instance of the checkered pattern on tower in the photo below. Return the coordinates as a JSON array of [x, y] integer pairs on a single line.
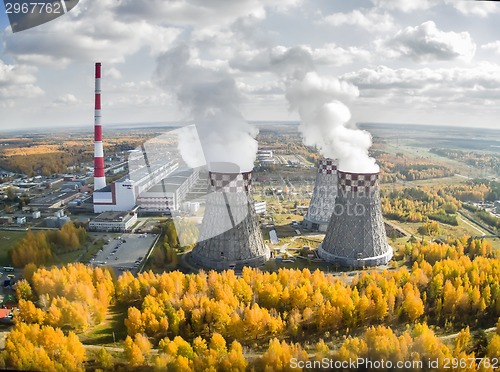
[[355, 182], [230, 182], [327, 166]]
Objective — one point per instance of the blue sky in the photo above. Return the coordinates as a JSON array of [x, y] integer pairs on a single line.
[[419, 61]]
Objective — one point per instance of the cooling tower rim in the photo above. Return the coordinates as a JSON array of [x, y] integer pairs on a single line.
[[382, 259], [230, 173], [359, 173]]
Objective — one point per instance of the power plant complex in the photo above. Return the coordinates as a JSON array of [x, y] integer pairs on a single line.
[[346, 206]]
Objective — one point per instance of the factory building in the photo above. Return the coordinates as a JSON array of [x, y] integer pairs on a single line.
[[168, 195], [122, 195], [113, 221], [55, 200]]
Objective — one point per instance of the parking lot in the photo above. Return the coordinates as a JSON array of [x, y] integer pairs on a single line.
[[126, 252]]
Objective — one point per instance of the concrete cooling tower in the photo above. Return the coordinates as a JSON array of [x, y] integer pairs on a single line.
[[230, 236], [356, 233], [323, 198]]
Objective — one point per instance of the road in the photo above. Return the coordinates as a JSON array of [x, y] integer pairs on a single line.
[[471, 225]]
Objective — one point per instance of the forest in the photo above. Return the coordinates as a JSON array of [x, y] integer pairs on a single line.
[[42, 247], [262, 319]]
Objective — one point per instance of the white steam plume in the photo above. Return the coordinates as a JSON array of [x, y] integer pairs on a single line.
[[324, 121], [212, 99]]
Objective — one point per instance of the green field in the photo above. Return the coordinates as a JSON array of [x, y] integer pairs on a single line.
[[8, 240]]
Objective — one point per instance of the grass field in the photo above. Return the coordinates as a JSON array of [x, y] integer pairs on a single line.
[[464, 227], [103, 333], [8, 240]]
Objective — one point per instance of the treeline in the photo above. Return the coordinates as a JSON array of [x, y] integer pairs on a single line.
[[31, 347], [397, 167], [294, 304], [41, 247], [474, 159], [38, 164], [206, 319], [419, 204]]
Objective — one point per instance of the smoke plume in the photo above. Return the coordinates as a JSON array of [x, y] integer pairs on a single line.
[[325, 121], [212, 99]]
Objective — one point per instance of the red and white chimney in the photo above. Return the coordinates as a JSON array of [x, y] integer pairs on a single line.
[[99, 177]]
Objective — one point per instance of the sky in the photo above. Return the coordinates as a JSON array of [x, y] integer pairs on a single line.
[[415, 62]]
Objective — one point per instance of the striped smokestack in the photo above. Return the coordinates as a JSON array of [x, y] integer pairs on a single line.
[[99, 177]]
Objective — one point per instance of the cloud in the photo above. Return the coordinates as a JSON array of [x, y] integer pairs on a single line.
[[466, 7], [94, 32], [201, 13], [64, 101], [67, 99], [426, 43], [405, 6], [113, 73], [279, 59], [493, 46], [288, 60], [18, 81], [478, 8], [461, 86], [371, 20]]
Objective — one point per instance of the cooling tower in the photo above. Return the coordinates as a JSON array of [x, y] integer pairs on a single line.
[[99, 176], [356, 233], [229, 235], [323, 198]]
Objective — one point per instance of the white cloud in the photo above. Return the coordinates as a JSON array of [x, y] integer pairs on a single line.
[[478, 8], [113, 73], [334, 55], [466, 7], [201, 13], [405, 5], [493, 46], [18, 81], [95, 32], [289, 60], [463, 86], [426, 43], [370, 20], [64, 101], [279, 59]]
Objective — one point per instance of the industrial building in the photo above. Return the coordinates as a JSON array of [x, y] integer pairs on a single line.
[[113, 221], [147, 185], [323, 198], [122, 195], [356, 233], [55, 199], [169, 193], [230, 236]]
